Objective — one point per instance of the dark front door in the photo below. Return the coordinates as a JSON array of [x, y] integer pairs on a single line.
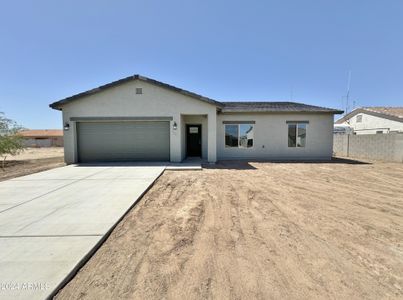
[[193, 140]]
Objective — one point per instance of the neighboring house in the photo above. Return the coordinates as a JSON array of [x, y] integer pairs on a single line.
[[42, 138], [373, 120], [138, 118], [343, 129]]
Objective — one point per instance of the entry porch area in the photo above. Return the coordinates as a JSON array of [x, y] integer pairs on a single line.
[[198, 137]]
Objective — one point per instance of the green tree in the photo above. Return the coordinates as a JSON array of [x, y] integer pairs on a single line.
[[10, 140]]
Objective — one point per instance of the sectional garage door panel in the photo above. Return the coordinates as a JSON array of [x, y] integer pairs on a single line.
[[123, 141]]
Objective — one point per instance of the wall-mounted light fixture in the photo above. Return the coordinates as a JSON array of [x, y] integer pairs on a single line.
[[174, 126], [66, 126]]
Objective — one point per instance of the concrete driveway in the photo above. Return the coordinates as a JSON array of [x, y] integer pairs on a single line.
[[50, 221]]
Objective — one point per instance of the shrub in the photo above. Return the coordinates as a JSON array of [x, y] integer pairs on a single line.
[[10, 140]]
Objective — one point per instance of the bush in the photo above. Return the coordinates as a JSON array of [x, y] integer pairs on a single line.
[[10, 140]]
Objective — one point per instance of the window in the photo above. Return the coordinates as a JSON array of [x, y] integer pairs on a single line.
[[301, 135], [359, 119], [245, 135], [292, 135], [296, 135], [379, 131], [139, 91], [239, 135], [231, 135]]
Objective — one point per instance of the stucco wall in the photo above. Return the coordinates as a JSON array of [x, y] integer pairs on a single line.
[[122, 101], [271, 137], [371, 124], [385, 147]]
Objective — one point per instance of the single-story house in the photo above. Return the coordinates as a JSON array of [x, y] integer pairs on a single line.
[[138, 118], [42, 138], [373, 120]]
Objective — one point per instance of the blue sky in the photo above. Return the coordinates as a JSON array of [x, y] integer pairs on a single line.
[[226, 50]]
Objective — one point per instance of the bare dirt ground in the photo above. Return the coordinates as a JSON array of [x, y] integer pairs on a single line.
[[257, 231], [32, 160]]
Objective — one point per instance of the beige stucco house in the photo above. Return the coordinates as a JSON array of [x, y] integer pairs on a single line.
[[373, 120], [138, 118]]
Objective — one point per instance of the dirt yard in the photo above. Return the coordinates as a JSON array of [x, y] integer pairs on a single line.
[[257, 231], [32, 160]]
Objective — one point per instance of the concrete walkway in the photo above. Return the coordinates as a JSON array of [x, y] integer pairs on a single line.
[[50, 221]]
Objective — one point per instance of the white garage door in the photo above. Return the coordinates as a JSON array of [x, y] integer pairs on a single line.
[[123, 141]]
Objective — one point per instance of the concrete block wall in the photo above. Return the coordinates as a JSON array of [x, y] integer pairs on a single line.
[[41, 142], [385, 147], [340, 144]]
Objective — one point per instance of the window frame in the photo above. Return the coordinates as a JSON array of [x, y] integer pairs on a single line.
[[239, 135], [297, 123]]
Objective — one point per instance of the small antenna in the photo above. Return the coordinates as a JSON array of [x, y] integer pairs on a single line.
[[348, 91]]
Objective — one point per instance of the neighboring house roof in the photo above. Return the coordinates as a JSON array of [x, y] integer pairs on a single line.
[[275, 107], [390, 113], [41, 133], [223, 106]]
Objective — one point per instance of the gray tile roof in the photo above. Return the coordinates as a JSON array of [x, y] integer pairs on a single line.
[[275, 107], [221, 106]]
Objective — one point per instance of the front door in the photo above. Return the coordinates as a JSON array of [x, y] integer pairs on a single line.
[[193, 140]]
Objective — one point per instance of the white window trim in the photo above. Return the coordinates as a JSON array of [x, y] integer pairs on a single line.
[[296, 134], [239, 129]]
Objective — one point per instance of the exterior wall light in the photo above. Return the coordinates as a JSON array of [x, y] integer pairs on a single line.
[[174, 126], [66, 126]]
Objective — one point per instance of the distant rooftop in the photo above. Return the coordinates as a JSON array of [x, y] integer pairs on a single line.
[[42, 133], [387, 112], [393, 111]]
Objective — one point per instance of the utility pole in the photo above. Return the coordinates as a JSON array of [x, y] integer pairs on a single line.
[[348, 92]]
